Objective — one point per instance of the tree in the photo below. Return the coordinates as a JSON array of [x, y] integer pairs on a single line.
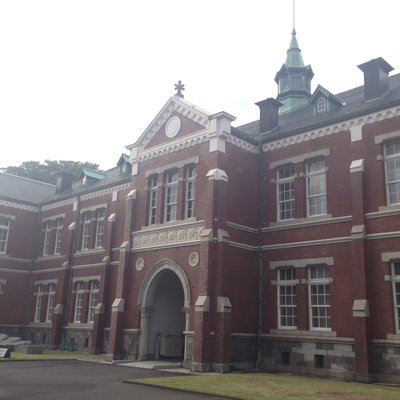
[[47, 171]]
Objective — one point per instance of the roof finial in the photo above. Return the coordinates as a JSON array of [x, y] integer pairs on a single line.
[[179, 87], [294, 16]]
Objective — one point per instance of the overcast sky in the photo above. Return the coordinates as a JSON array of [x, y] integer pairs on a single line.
[[80, 80]]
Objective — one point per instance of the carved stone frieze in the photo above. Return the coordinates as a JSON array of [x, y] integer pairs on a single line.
[[167, 236]]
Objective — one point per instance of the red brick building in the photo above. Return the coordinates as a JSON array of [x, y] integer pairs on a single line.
[[272, 245]]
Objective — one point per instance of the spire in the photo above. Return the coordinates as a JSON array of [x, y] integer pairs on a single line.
[[294, 58], [294, 78]]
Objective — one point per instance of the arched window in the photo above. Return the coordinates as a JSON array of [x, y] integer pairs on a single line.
[[321, 104]]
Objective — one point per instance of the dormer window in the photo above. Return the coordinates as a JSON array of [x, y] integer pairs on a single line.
[[322, 104]]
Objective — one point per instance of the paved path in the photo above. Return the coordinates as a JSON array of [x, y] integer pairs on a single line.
[[56, 380]]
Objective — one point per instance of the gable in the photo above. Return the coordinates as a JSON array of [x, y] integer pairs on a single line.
[[178, 118], [322, 100]]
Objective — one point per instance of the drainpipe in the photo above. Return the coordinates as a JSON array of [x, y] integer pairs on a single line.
[[261, 174]]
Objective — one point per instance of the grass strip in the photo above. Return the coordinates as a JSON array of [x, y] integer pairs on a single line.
[[264, 386]]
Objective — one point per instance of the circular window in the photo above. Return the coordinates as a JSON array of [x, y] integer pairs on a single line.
[[173, 126]]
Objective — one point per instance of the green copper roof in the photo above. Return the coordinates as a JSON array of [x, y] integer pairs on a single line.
[[92, 173], [294, 58]]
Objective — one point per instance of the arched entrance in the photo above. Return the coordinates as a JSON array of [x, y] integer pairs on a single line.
[[164, 300]]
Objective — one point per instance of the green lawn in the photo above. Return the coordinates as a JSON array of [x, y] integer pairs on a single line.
[[54, 355], [263, 386]]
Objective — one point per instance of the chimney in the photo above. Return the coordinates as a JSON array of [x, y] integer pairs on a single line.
[[64, 181], [269, 117], [376, 78]]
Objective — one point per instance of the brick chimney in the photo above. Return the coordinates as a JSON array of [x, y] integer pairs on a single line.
[[376, 78], [269, 117]]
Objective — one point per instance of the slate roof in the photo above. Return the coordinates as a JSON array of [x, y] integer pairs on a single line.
[[17, 188], [111, 177], [304, 119]]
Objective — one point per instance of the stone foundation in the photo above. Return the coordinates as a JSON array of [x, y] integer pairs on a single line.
[[386, 359], [131, 344]]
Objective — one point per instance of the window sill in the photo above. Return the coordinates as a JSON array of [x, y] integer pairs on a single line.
[[40, 325], [164, 225], [88, 252], [385, 211], [51, 257], [79, 326], [302, 333], [305, 222]]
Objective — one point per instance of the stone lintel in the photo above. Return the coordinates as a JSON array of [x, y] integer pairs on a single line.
[[389, 256]]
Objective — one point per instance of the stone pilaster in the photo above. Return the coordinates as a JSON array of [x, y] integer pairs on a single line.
[[212, 327], [360, 309], [118, 307]]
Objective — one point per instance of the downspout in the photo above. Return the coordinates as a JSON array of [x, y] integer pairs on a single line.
[[71, 252], [261, 175]]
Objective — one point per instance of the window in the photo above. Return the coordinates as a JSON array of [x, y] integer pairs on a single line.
[[4, 231], [57, 242], [287, 297], [153, 200], [171, 189], [85, 231], [50, 301], [321, 104], [80, 290], [100, 217], [46, 242], [94, 292], [319, 297], [285, 180], [189, 191], [316, 187], [39, 300], [392, 167], [396, 292]]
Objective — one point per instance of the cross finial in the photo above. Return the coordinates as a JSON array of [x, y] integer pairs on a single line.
[[179, 87]]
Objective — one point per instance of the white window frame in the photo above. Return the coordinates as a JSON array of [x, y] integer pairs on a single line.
[[80, 291], [396, 293], [39, 301], [4, 233], [93, 296], [285, 176], [153, 187], [316, 178], [100, 224], [322, 283], [190, 187], [57, 241], [171, 196], [86, 230], [46, 240], [286, 289], [51, 297], [392, 159], [322, 104]]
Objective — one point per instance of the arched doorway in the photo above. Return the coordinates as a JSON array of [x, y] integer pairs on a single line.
[[164, 300]]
